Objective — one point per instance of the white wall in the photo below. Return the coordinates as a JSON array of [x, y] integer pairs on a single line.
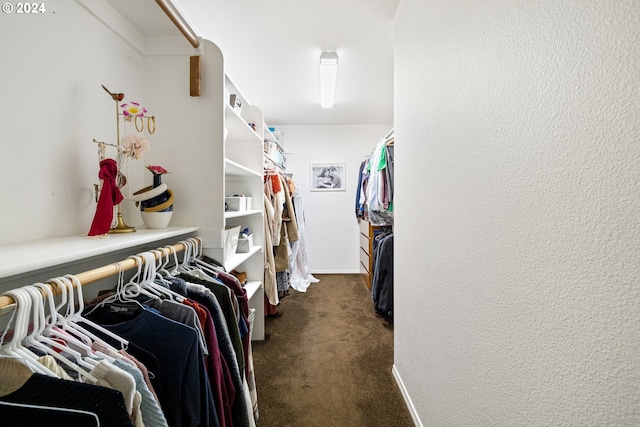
[[332, 234], [517, 205], [52, 108]]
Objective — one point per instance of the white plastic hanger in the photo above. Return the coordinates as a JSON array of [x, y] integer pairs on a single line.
[[210, 270], [46, 323], [58, 326], [162, 268], [157, 277], [74, 283], [188, 263], [76, 320], [151, 275], [186, 255], [176, 264], [139, 283], [15, 348], [52, 409], [48, 345], [35, 309]]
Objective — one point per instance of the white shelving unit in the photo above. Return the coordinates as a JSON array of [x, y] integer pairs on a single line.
[[209, 163], [244, 176], [190, 142]]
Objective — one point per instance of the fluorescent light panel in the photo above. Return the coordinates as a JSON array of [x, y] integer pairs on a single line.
[[328, 75]]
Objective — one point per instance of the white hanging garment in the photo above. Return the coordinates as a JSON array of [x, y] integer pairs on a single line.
[[300, 278]]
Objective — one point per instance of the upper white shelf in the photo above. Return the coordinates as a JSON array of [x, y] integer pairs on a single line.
[[271, 137], [274, 162], [239, 214], [252, 288], [22, 257], [236, 169], [239, 129], [238, 258]]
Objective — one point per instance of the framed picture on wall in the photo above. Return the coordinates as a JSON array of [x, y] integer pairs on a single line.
[[327, 177]]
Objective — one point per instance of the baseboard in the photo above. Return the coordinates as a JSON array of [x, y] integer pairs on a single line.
[[335, 272], [407, 399]]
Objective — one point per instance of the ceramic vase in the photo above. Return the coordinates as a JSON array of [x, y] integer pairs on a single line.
[[157, 211]]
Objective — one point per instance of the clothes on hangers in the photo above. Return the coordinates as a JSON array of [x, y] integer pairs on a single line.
[[288, 235], [382, 282], [56, 400], [152, 415], [184, 392], [205, 296], [188, 359], [361, 193], [300, 278], [270, 285], [374, 196]]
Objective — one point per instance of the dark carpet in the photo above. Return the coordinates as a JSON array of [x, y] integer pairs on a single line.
[[327, 359]]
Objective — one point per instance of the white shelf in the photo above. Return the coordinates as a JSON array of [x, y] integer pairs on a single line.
[[252, 288], [238, 128], [268, 135], [236, 169], [239, 214], [274, 163], [23, 257], [237, 259]]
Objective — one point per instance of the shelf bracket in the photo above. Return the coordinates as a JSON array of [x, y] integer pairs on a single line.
[[195, 75]]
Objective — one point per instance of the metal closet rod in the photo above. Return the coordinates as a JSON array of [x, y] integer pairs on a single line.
[[179, 22], [96, 274]]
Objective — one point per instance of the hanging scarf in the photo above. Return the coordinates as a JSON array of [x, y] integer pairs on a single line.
[[109, 197]]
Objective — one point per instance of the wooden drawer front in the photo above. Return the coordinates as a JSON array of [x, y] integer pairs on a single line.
[[364, 243], [364, 227], [364, 258], [363, 269], [366, 277]]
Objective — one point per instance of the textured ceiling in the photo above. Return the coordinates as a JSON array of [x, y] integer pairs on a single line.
[[272, 53]]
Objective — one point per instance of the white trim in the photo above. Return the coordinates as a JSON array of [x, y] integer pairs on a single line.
[[407, 399], [335, 272]]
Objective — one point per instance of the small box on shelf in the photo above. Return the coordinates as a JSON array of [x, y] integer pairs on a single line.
[[231, 236], [277, 132], [238, 203], [235, 102], [245, 244]]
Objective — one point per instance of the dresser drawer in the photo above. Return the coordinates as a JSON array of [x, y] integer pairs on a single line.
[[364, 269], [364, 258], [364, 243], [364, 227]]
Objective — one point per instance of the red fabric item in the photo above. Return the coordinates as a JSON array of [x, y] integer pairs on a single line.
[[269, 310], [224, 392], [109, 197], [275, 184], [200, 311]]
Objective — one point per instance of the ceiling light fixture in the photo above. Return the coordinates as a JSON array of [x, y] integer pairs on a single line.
[[328, 75]]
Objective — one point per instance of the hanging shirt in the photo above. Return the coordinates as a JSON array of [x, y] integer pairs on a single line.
[[199, 293], [53, 401], [185, 394]]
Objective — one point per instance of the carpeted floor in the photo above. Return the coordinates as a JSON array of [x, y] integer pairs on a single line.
[[327, 361]]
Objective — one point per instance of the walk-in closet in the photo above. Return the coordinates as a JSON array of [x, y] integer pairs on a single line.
[[402, 213]]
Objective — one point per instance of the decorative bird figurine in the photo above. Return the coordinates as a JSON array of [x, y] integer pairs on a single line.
[[115, 96]]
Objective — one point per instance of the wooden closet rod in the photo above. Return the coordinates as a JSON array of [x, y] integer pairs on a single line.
[[179, 22], [96, 274]]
